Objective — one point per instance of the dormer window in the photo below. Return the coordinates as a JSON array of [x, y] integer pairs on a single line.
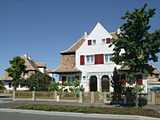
[[103, 40], [94, 42], [89, 42], [108, 40]]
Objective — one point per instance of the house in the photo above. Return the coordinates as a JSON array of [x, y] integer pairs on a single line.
[[31, 67], [154, 81], [89, 60]]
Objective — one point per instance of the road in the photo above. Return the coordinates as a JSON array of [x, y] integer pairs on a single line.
[[7, 114], [27, 116]]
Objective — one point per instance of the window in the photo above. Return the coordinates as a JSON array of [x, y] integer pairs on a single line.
[[108, 58], [99, 59], [103, 40], [89, 42], [89, 59], [108, 40], [82, 60], [94, 42]]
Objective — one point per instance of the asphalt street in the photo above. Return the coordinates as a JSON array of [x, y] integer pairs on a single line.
[[26, 116], [7, 114]]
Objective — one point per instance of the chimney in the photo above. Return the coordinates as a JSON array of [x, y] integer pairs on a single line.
[[27, 56], [118, 31], [85, 34]]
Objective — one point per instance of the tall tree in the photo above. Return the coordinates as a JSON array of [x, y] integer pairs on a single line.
[[16, 70], [117, 87], [136, 45]]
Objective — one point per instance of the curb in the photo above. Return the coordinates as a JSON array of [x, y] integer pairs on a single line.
[[82, 115]]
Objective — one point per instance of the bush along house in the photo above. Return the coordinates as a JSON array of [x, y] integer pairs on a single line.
[[89, 60]]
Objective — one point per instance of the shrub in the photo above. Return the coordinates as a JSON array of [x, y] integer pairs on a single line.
[[142, 101]]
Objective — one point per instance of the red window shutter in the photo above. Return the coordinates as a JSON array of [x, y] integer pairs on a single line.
[[139, 82], [123, 82], [82, 60], [89, 42], [99, 59], [108, 40]]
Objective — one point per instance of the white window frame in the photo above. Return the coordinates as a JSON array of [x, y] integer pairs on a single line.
[[93, 42], [91, 59], [108, 60]]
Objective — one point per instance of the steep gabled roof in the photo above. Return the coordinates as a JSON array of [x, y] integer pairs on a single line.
[[99, 30], [39, 64], [30, 64], [79, 42], [49, 70], [67, 64], [74, 47]]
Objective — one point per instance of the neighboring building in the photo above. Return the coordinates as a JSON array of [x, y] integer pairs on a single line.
[[50, 72], [154, 81], [89, 60], [31, 68]]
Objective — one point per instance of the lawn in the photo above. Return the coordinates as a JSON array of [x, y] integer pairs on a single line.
[[85, 109]]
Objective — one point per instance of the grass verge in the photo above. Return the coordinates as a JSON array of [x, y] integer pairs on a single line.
[[85, 109]]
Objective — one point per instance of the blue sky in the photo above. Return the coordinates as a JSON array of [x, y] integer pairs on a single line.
[[42, 28]]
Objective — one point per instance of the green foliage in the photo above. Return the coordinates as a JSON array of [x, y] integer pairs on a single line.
[[90, 109], [130, 96], [142, 101], [16, 71], [138, 89], [139, 44], [54, 86], [38, 81], [73, 85], [117, 87], [2, 85]]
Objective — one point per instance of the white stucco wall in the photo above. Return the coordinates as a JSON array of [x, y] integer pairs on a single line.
[[41, 70], [98, 33]]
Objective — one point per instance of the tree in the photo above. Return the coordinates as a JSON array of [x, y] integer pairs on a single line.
[[16, 71], [38, 81], [117, 87], [1, 85], [136, 45]]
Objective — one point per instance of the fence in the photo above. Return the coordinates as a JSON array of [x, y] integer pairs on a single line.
[[154, 98], [157, 98], [83, 97], [5, 93]]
